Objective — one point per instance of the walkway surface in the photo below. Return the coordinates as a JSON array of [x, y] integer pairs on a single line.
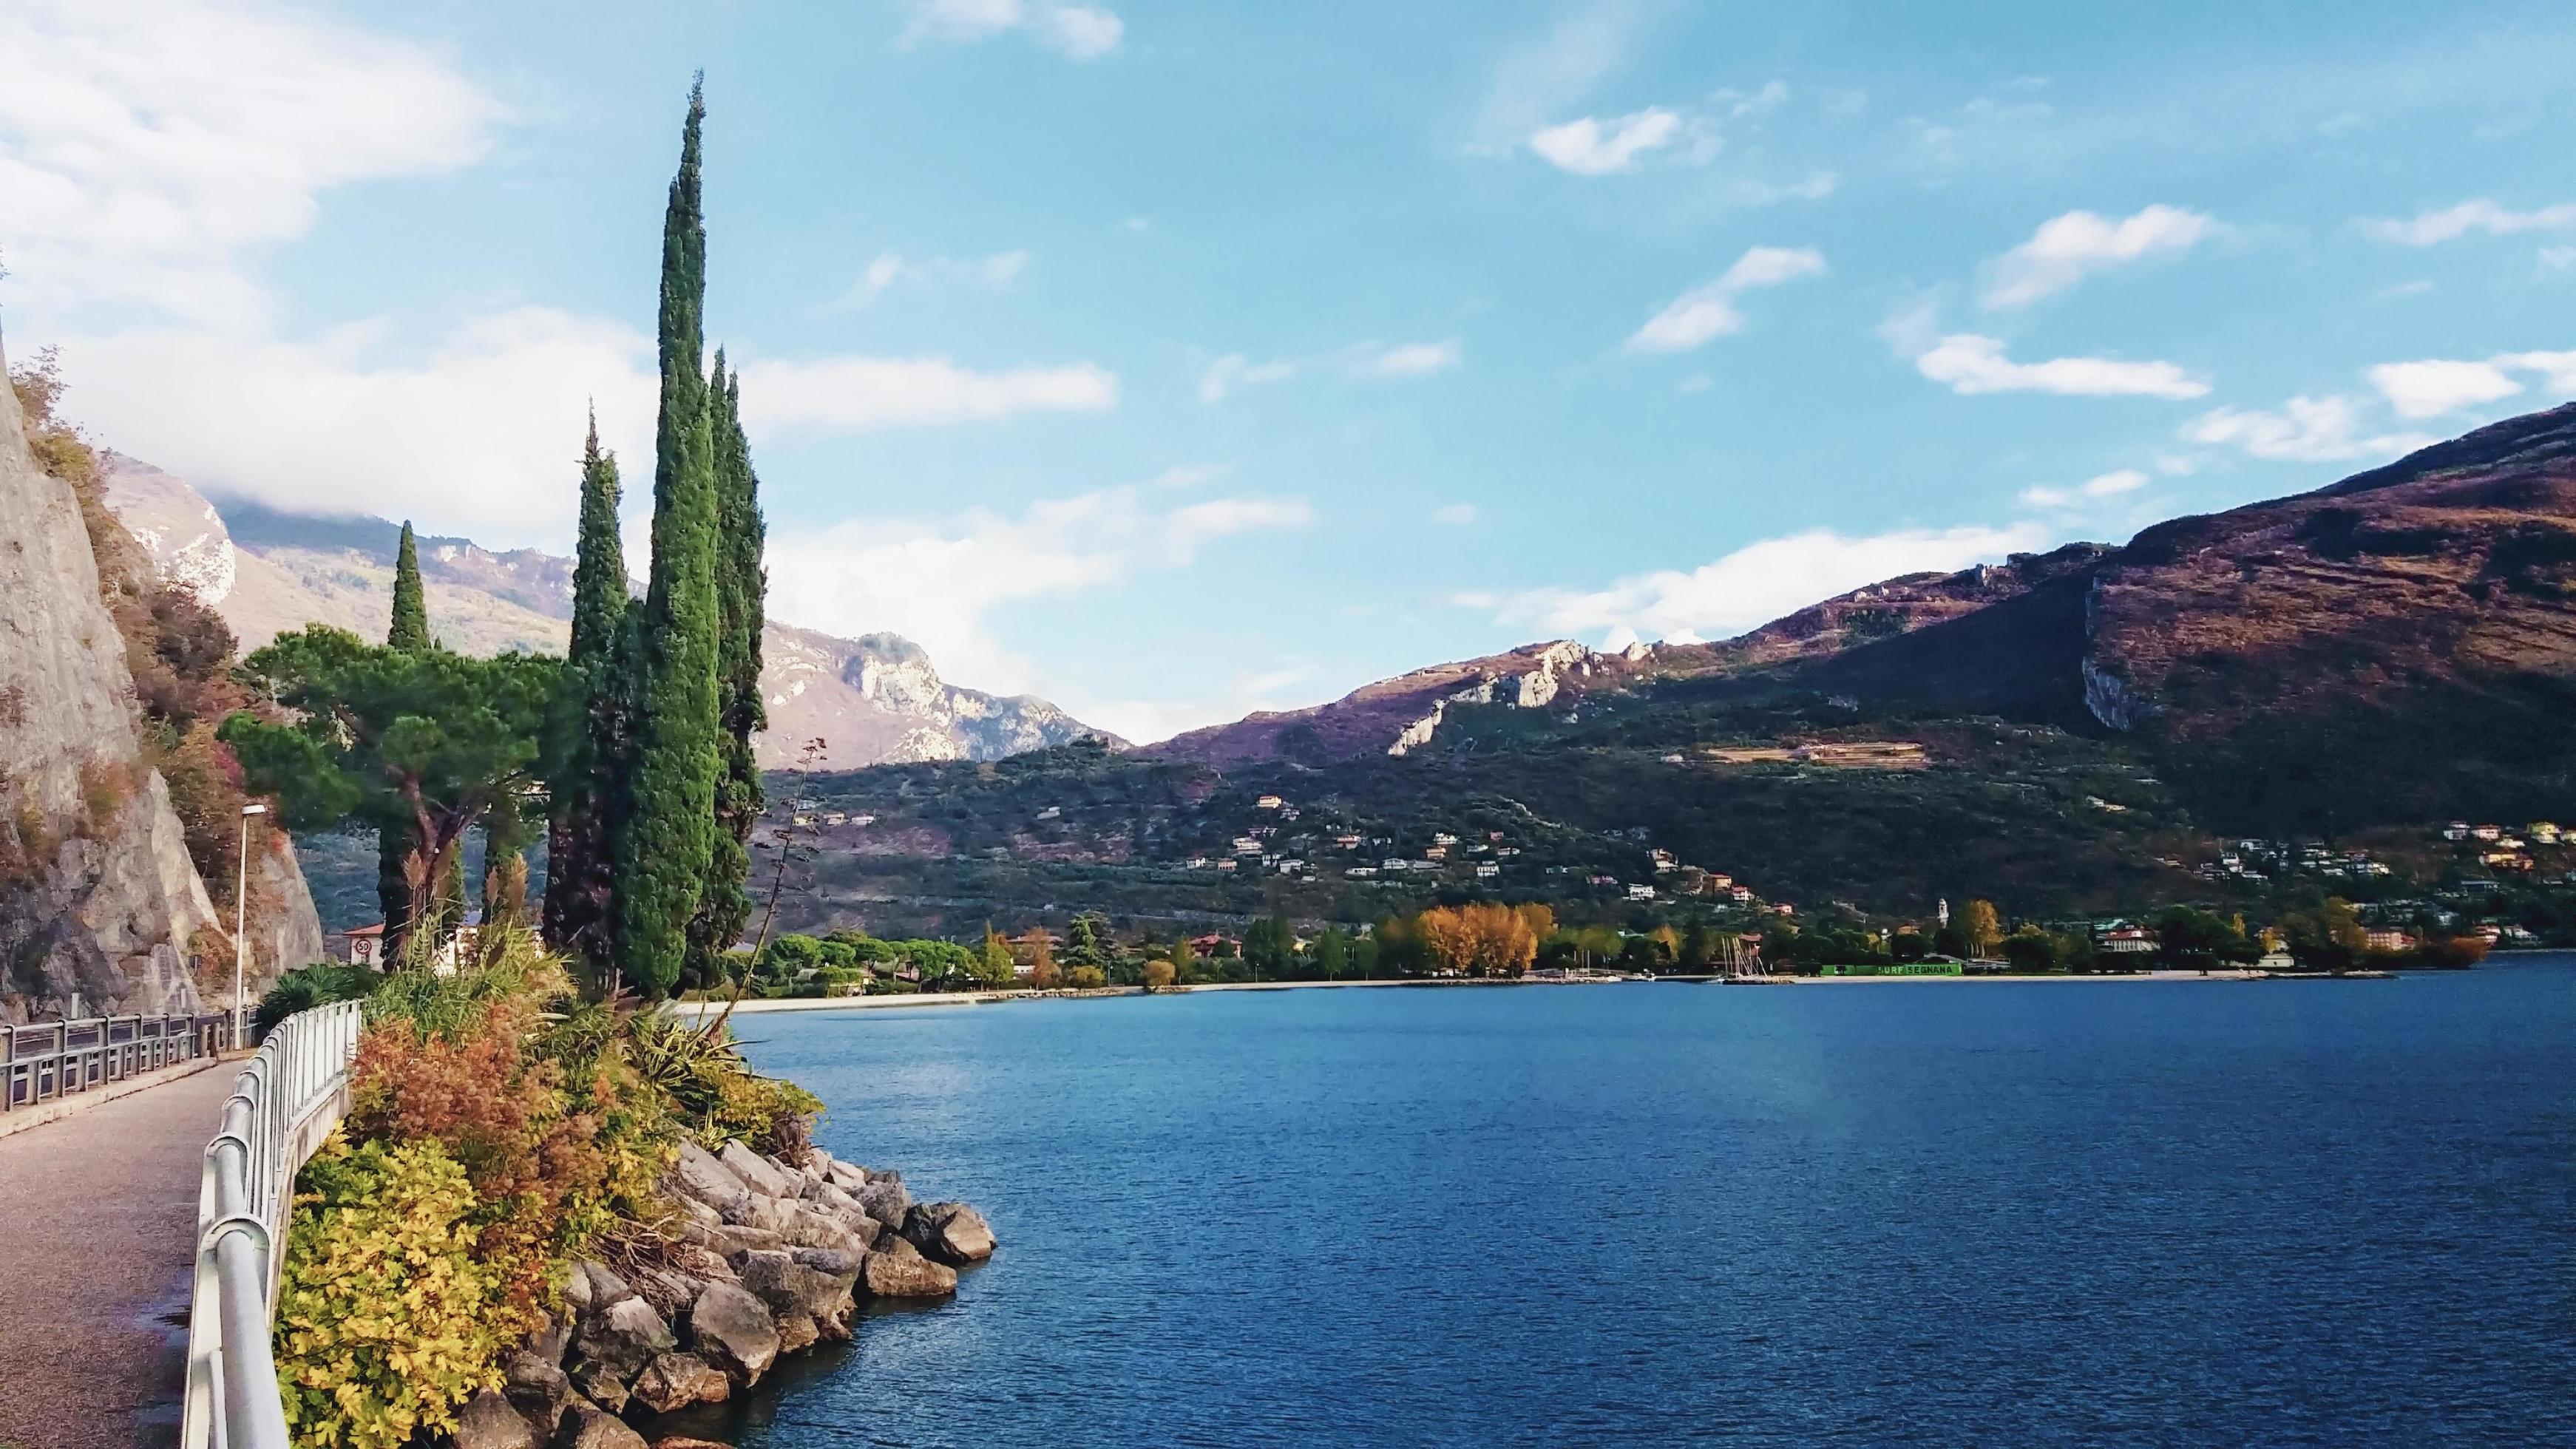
[[98, 1217]]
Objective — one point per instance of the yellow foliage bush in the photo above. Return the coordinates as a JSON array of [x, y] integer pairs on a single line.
[[386, 1321]]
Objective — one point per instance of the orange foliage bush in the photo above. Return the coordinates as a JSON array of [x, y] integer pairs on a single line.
[[501, 1113]]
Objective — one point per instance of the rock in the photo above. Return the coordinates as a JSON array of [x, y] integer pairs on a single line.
[[677, 1380], [605, 1287], [884, 1199], [489, 1422], [587, 1427], [896, 1269], [683, 1441], [730, 1243], [599, 1384], [731, 1328], [757, 1172], [576, 1291], [803, 1226], [552, 1338], [847, 1176], [810, 1281], [536, 1386], [796, 1332], [621, 1339], [950, 1232], [697, 1175]]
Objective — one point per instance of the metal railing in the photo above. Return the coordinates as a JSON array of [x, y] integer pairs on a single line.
[[57, 1058], [284, 1103]]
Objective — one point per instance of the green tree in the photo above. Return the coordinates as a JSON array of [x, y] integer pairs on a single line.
[[994, 964], [666, 838], [591, 728], [1270, 948], [1332, 953], [2194, 939], [1184, 959], [1082, 945], [422, 745], [409, 631], [741, 586]]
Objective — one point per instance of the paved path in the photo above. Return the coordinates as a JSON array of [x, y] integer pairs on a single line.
[[98, 1216]]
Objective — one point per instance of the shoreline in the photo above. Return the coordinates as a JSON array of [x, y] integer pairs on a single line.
[[700, 1010]]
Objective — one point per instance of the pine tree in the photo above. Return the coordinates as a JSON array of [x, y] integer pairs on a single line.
[[593, 734], [410, 632], [741, 586], [665, 839]]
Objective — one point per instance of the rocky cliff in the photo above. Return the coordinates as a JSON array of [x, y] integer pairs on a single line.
[[97, 894]]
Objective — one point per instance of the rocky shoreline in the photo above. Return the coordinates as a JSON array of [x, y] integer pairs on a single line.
[[770, 1257]]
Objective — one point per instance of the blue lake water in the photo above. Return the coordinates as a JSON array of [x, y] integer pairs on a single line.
[[2321, 1212]]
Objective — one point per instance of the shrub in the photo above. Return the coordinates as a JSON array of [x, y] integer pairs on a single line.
[[307, 987], [385, 1320], [1086, 978]]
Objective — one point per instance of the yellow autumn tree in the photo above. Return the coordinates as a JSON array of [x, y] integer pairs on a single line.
[[1983, 928], [1479, 940], [1035, 950]]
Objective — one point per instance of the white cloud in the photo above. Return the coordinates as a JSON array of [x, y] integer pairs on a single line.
[[2558, 258], [1082, 32], [1548, 76], [862, 393], [2067, 248], [1969, 364], [1589, 147], [2558, 369], [1235, 370], [2482, 215], [1454, 515], [1772, 96], [2302, 430], [2433, 387], [1708, 312], [145, 146], [939, 581], [891, 269], [2092, 490], [1411, 359], [317, 427], [1189, 475], [1757, 583]]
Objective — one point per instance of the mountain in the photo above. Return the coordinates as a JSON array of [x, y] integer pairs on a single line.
[[2077, 731], [875, 699]]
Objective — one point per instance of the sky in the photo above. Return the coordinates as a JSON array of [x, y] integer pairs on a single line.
[[1173, 359]]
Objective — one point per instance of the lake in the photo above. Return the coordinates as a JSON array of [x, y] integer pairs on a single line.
[[2324, 1212]]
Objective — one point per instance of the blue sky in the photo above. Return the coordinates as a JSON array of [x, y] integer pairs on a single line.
[[1177, 359]]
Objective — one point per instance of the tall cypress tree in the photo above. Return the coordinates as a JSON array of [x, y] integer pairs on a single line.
[[592, 735], [665, 839], [410, 629], [741, 587], [409, 632]]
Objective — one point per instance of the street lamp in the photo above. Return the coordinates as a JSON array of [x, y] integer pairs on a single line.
[[241, 916]]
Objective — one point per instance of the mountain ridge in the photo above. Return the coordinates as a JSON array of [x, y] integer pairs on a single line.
[[875, 699]]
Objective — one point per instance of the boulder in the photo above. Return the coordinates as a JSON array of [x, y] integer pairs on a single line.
[[950, 1232], [620, 1339], [552, 1337], [731, 1328], [796, 1332], [884, 1199], [606, 1288], [588, 1427], [536, 1386], [759, 1173], [815, 1282], [599, 1384], [847, 1176], [896, 1269], [489, 1422], [804, 1226], [697, 1175], [683, 1441], [576, 1290], [677, 1380]]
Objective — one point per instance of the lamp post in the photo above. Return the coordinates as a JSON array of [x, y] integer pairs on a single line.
[[241, 917]]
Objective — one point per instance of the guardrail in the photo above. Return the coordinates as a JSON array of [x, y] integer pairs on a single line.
[[57, 1058], [283, 1104]]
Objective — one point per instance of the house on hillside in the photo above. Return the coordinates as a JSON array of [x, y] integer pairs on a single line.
[[2388, 939], [2456, 830], [1268, 802], [1641, 893]]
